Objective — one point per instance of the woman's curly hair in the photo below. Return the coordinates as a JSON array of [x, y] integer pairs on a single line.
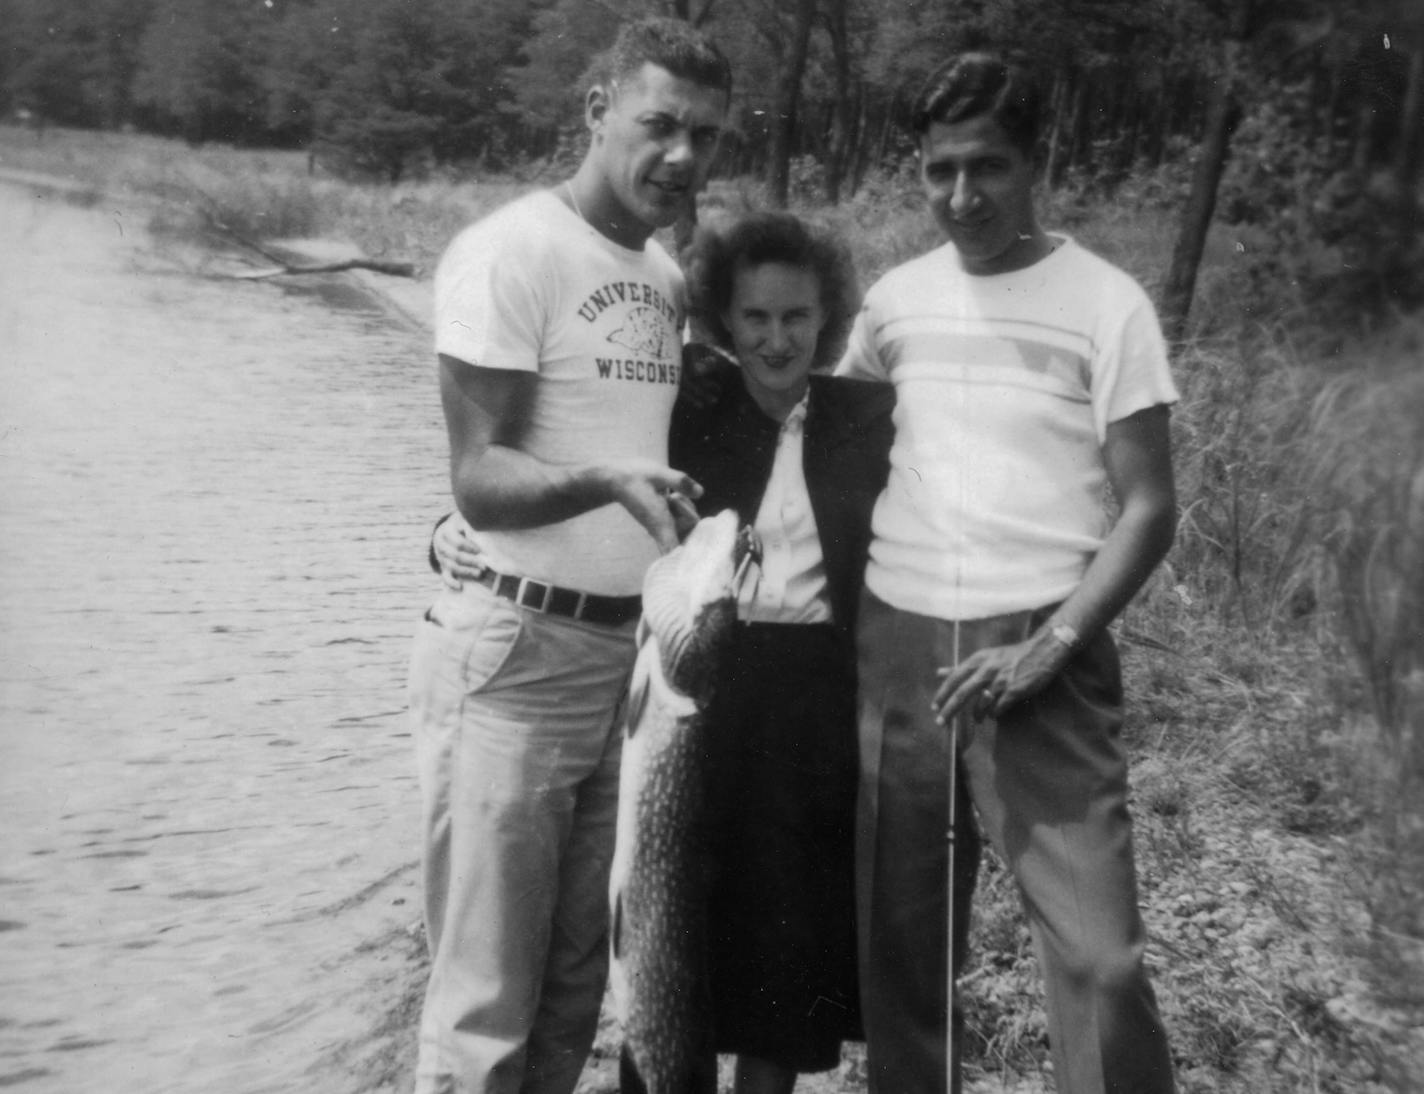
[[718, 252]]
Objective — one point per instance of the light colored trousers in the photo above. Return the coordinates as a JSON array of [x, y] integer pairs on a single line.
[[517, 718], [1049, 784]]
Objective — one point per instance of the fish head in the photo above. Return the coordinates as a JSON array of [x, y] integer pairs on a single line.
[[690, 600]]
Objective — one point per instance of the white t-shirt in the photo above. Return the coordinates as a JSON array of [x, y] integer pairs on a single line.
[[532, 287], [1004, 386]]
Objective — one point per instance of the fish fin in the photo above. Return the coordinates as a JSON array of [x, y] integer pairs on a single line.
[[650, 684], [629, 1080], [638, 692], [617, 979], [615, 933]]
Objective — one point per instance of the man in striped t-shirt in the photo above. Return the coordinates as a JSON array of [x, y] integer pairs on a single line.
[[1031, 379]]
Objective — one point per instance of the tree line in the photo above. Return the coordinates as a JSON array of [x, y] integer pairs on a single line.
[[1322, 100]]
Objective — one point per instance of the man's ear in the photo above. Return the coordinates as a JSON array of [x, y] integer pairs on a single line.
[[595, 107]]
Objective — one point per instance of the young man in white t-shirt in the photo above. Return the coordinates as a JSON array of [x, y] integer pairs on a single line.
[[1030, 377], [558, 324]]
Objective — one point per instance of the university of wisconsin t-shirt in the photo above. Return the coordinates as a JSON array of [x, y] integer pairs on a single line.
[[532, 287]]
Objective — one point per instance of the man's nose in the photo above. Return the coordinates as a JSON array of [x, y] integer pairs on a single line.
[[964, 195], [678, 148]]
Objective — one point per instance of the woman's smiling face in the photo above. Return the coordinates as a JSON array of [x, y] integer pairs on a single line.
[[775, 317]]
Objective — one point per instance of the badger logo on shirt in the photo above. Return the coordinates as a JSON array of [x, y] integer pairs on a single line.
[[645, 333]]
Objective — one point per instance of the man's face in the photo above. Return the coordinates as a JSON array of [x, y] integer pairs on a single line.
[[980, 187], [655, 135]]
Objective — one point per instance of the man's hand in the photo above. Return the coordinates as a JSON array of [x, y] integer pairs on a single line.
[[459, 556], [706, 372], [1137, 455], [656, 496], [684, 513], [497, 486], [990, 681]]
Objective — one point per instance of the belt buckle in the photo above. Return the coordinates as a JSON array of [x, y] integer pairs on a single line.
[[524, 585]]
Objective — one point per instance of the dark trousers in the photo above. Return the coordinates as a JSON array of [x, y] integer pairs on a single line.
[[1049, 784]]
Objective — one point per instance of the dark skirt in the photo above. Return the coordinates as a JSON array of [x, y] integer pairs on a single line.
[[781, 834]]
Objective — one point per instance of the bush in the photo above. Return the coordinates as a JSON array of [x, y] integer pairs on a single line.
[[1325, 245]]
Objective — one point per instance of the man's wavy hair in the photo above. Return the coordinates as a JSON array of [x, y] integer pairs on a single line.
[[671, 44], [718, 253], [979, 82]]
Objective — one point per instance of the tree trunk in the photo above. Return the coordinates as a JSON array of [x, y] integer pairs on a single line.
[[1077, 122], [1407, 151], [788, 97], [1055, 132], [887, 127], [1154, 120], [1127, 124], [1222, 114], [860, 147], [1329, 112], [841, 105], [1363, 153]]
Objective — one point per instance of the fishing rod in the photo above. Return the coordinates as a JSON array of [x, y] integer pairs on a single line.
[[951, 839]]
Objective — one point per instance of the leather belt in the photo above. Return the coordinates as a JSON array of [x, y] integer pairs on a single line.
[[610, 611]]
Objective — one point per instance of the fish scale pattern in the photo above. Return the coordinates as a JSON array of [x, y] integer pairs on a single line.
[[659, 909]]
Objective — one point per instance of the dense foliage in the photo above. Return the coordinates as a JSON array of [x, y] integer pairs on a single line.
[[1322, 101]]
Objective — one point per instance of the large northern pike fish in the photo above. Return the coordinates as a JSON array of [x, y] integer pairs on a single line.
[[658, 889]]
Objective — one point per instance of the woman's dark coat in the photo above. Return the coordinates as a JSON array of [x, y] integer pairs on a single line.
[[729, 447]]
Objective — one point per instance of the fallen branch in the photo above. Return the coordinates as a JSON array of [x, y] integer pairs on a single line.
[[395, 269], [211, 212]]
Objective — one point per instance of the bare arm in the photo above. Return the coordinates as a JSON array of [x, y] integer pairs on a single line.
[[497, 486], [1137, 455]]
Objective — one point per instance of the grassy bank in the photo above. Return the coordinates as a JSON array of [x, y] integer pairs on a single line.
[[1275, 664]]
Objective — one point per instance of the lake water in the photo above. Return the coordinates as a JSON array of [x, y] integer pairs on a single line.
[[214, 501]]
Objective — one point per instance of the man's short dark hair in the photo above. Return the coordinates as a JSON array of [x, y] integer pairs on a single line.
[[717, 254], [972, 84], [671, 44]]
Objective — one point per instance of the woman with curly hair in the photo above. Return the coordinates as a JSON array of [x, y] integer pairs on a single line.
[[801, 456]]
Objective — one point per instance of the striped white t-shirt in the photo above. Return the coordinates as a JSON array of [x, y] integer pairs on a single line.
[[1004, 386]]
